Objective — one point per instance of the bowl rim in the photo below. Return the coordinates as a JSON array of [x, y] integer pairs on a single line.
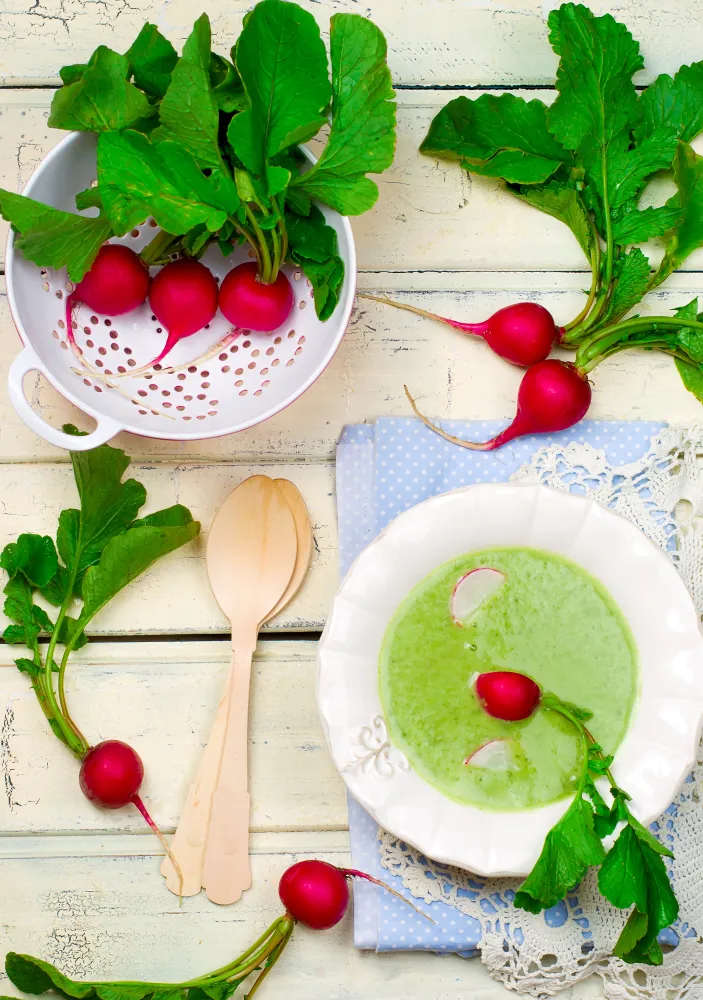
[[396, 816], [350, 264]]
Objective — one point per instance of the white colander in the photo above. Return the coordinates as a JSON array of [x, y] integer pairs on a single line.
[[198, 391]]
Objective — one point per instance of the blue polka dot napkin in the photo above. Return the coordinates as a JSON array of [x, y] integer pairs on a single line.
[[382, 470]]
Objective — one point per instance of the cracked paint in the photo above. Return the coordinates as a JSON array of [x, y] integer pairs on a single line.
[[7, 758]]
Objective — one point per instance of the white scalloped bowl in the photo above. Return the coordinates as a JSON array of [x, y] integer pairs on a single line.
[[659, 747], [202, 397]]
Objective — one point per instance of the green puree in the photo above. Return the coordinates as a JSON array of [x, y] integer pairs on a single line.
[[550, 620]]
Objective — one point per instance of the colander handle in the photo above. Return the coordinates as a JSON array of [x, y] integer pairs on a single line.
[[28, 361]]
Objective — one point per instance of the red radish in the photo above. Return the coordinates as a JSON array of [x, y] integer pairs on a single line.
[[116, 283], [553, 395], [111, 775], [523, 333], [472, 589], [183, 297], [316, 893], [508, 695], [249, 303]]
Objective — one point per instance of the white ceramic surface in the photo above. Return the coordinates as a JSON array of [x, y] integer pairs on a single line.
[[253, 377], [660, 745]]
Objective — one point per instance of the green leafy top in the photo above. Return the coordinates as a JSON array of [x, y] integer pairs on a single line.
[[100, 98], [188, 112], [36, 977], [597, 101], [286, 107], [152, 59], [362, 133], [208, 146], [632, 871], [102, 547], [502, 136], [586, 161]]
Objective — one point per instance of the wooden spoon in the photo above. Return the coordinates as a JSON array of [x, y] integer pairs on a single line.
[[191, 835], [248, 588], [251, 556], [303, 530]]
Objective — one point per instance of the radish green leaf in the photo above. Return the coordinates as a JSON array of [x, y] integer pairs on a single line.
[[286, 106], [632, 274], [313, 245], [597, 100], [188, 112], [138, 179], [362, 131], [640, 226], [631, 873], [102, 99], [674, 103], [103, 546], [504, 136], [687, 236], [570, 848], [152, 59], [52, 238], [634, 874], [32, 555]]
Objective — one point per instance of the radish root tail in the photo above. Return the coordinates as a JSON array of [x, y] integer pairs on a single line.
[[471, 445], [71, 301], [353, 873], [476, 328], [172, 369], [136, 800]]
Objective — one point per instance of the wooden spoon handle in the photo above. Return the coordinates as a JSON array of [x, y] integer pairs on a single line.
[[188, 845], [226, 869]]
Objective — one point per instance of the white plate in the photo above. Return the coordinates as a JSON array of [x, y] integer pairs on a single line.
[[660, 745]]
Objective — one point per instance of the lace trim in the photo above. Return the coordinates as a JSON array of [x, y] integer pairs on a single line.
[[542, 954]]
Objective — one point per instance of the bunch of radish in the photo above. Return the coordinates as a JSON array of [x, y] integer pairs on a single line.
[[183, 295], [553, 395], [313, 893]]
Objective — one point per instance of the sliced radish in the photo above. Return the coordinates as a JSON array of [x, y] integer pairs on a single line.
[[496, 755], [472, 590]]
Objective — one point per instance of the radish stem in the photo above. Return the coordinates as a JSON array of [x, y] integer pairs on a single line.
[[272, 957], [157, 248], [265, 256]]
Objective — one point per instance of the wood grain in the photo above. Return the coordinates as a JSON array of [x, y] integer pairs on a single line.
[[161, 698], [108, 915], [80, 886], [174, 595], [430, 214], [384, 348], [445, 42]]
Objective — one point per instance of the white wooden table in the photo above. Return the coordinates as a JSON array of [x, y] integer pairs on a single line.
[[81, 887]]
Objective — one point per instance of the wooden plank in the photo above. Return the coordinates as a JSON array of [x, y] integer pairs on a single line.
[[109, 916], [140, 843], [384, 348], [161, 698], [430, 214], [174, 595], [444, 42]]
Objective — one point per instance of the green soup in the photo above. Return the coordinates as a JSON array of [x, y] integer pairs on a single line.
[[550, 620]]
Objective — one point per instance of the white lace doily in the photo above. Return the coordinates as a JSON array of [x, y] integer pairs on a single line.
[[542, 954]]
